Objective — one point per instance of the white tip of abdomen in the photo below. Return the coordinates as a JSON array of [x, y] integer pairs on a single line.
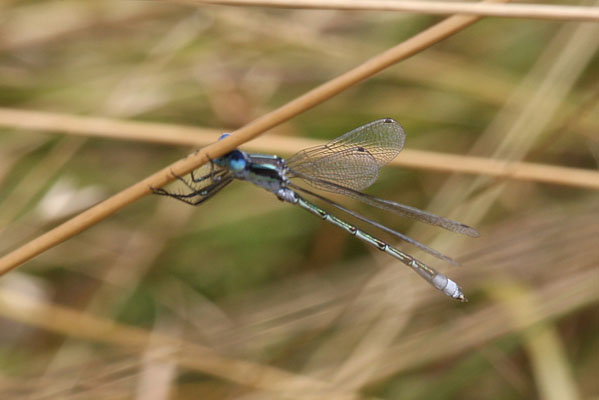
[[448, 287]]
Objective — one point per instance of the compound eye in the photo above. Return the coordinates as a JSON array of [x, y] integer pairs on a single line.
[[237, 162]]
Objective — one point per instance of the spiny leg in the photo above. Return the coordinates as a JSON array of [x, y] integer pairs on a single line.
[[213, 175], [438, 280], [215, 178], [210, 194], [204, 193]]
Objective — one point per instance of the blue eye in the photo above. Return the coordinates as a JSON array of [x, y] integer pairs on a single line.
[[236, 161]]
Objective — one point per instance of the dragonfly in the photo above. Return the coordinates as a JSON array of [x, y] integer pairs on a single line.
[[346, 165]]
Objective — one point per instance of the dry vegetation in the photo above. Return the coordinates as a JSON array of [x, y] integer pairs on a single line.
[[249, 298]]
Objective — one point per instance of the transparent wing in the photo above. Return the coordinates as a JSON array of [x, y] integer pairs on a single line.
[[398, 235], [397, 208], [353, 159], [407, 211], [352, 167]]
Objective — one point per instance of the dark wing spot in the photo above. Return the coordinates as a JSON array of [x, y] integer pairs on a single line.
[[388, 121], [361, 149]]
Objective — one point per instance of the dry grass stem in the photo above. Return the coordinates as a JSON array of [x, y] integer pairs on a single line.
[[515, 129], [193, 356], [409, 47], [246, 297], [20, 33], [192, 136], [550, 301], [505, 251], [502, 169], [514, 132], [543, 344], [529, 11]]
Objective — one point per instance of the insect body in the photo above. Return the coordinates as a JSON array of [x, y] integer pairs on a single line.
[[345, 165]]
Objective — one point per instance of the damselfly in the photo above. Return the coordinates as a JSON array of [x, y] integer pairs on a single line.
[[345, 165]]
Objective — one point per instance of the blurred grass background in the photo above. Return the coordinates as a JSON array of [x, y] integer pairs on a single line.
[[249, 298]]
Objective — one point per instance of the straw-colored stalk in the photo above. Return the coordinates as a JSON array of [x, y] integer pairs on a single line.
[[405, 49], [528, 11], [180, 135]]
